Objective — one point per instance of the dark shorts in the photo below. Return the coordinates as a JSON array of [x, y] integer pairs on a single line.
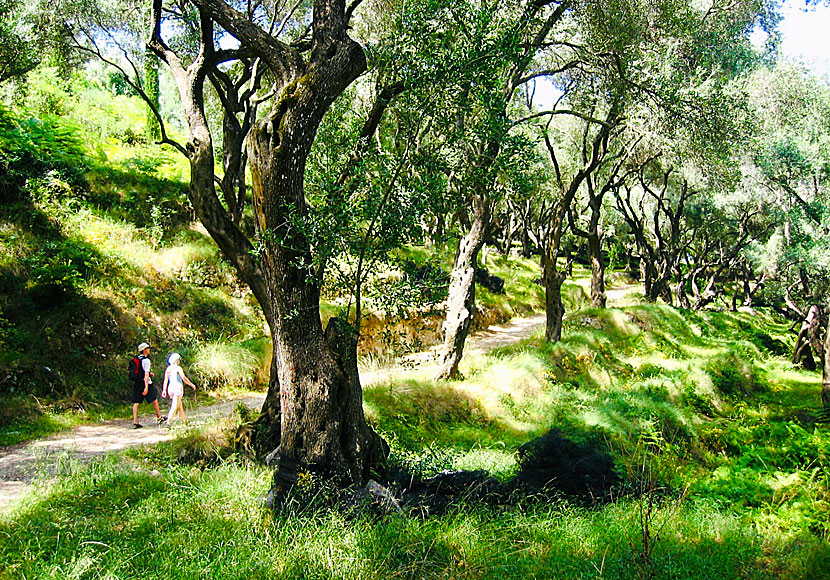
[[138, 390]]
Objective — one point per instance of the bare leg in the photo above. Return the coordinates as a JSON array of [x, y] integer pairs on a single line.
[[181, 410], [135, 413], [156, 407], [173, 406]]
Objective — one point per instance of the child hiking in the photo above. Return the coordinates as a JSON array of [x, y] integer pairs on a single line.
[[173, 385]]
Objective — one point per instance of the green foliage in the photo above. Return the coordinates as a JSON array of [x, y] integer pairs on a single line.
[[17, 55], [59, 269], [30, 148]]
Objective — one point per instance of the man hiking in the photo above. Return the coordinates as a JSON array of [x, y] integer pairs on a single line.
[[143, 387]]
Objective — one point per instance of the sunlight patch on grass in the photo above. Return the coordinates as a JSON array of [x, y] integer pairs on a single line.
[[113, 238], [170, 261], [222, 364], [499, 460]]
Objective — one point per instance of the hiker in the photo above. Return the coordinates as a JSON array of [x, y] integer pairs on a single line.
[[143, 387], [173, 385]]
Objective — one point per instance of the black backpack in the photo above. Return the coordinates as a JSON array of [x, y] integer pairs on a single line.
[[135, 372]]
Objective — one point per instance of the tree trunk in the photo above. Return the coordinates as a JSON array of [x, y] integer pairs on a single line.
[[462, 293], [313, 410], [598, 297], [680, 291], [825, 385], [322, 424], [554, 308], [651, 281], [803, 350], [151, 87], [233, 184]]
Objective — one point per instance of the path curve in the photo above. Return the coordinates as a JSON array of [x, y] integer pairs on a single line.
[[21, 464]]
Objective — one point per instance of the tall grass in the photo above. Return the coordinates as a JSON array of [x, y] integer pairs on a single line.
[[140, 519], [232, 365], [755, 505]]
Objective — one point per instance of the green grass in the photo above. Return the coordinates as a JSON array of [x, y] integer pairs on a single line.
[[640, 381], [26, 427], [139, 519]]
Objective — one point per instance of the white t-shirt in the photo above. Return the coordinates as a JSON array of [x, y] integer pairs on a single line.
[[145, 364]]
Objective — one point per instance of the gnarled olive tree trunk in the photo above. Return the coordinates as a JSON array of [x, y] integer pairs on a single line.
[[553, 279], [461, 298], [322, 422], [314, 398]]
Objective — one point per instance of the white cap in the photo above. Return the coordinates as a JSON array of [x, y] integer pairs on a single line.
[[142, 346], [173, 358]]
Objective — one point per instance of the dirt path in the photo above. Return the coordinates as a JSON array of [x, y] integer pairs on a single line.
[[21, 464]]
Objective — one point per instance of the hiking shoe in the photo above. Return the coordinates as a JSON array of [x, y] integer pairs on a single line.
[[161, 420], [137, 425]]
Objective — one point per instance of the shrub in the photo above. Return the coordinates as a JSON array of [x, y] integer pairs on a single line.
[[733, 376], [29, 148]]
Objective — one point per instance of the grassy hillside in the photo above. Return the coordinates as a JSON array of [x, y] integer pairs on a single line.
[[98, 253], [712, 431]]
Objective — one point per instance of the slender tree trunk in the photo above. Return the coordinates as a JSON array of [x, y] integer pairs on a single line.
[[462, 292], [233, 184], [680, 290], [151, 87]]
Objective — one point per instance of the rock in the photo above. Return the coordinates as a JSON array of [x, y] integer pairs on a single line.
[[271, 458], [373, 498], [383, 497]]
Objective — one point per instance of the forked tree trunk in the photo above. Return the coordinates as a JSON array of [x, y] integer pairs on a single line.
[[462, 293], [804, 346], [322, 425], [680, 292], [315, 399]]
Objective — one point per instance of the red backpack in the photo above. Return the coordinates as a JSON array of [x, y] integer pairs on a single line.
[[135, 371]]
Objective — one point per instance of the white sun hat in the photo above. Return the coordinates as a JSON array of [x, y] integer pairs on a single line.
[[142, 346], [173, 358]]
